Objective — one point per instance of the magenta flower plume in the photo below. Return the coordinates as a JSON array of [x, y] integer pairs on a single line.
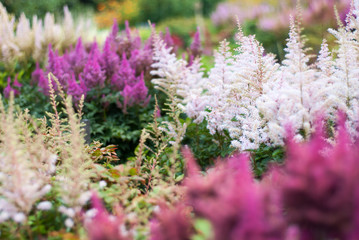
[[174, 224], [109, 60], [8, 89], [38, 78], [141, 60], [168, 39], [93, 75], [230, 199], [78, 58], [59, 67], [196, 46], [124, 76], [75, 90], [127, 43], [114, 30], [17, 84], [320, 182], [104, 226]]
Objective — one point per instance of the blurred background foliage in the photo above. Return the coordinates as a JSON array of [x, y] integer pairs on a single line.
[[268, 19]]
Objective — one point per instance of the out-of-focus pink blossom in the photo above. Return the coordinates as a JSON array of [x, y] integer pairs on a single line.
[[8, 89], [104, 226], [174, 224]]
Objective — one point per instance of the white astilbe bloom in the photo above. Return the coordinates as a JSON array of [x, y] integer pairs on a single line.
[[24, 161], [234, 86], [218, 87], [20, 40], [346, 74], [292, 99], [175, 76]]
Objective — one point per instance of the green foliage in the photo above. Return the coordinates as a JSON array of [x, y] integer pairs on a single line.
[[206, 147], [264, 156], [159, 10], [41, 7]]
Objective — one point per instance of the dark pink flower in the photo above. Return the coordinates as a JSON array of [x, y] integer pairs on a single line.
[[320, 182]]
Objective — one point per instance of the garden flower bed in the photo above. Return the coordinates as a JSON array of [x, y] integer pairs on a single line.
[[137, 137]]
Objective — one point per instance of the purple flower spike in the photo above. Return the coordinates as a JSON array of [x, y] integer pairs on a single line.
[[8, 89], [109, 60], [196, 46], [75, 90], [16, 83], [168, 38], [114, 30], [93, 75]]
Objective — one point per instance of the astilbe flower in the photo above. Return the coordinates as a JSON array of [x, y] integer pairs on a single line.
[[319, 184], [345, 76], [78, 58], [38, 78], [176, 76], [26, 166], [92, 74], [172, 223], [21, 40], [196, 46], [231, 200], [10, 88], [104, 226], [136, 94], [124, 76], [293, 98], [79, 70], [76, 90], [109, 60]]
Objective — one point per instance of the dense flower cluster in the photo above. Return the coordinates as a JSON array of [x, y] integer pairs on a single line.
[[252, 97], [313, 196], [121, 65], [21, 40]]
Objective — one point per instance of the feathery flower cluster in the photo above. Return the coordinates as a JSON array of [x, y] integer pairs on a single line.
[[252, 97], [178, 76], [26, 167], [121, 66], [313, 196], [21, 40]]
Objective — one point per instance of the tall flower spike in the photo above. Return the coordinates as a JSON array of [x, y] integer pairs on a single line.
[[196, 47], [109, 60], [92, 75]]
